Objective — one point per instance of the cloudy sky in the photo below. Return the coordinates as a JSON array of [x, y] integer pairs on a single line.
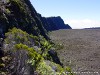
[[76, 13]]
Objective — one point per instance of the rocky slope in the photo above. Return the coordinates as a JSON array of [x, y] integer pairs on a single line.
[[19, 14], [25, 48]]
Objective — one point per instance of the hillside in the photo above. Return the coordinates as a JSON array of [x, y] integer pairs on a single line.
[[25, 48], [81, 49]]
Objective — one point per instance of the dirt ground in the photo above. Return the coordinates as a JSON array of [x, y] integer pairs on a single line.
[[81, 49]]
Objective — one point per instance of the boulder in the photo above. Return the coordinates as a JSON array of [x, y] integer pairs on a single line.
[[55, 57]]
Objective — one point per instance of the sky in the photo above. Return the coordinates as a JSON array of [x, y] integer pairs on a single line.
[[77, 13]]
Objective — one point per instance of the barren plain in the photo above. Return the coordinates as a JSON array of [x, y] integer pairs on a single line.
[[81, 49]]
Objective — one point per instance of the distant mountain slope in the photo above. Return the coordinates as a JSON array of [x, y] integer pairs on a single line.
[[54, 23], [93, 28]]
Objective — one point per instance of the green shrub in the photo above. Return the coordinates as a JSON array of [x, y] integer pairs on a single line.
[[35, 58], [21, 46], [44, 69], [7, 11], [68, 69]]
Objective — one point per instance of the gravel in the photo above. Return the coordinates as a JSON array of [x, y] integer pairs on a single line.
[[81, 49]]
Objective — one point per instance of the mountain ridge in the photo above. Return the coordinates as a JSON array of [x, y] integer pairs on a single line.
[[54, 23]]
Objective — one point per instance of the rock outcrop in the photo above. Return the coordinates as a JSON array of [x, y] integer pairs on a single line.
[[20, 14]]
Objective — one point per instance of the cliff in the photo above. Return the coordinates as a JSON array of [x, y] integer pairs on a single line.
[[20, 14], [25, 48], [54, 23]]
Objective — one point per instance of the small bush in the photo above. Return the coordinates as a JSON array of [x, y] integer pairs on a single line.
[[7, 11]]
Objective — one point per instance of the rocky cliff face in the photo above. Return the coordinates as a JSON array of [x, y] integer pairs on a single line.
[[54, 23], [24, 45], [20, 14]]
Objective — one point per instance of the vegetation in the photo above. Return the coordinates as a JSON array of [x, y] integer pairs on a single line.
[[18, 40], [8, 11]]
